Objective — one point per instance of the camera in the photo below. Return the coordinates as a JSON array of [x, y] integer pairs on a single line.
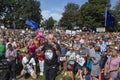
[[26, 69]]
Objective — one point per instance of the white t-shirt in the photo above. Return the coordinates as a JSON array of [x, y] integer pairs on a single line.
[[30, 64]]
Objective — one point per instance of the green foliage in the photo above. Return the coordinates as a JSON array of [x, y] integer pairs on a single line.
[[90, 14], [69, 19], [50, 23], [17, 11], [117, 15]]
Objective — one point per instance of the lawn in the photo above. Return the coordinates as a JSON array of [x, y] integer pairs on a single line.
[[43, 78]]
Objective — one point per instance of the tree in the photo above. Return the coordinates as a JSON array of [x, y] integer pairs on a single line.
[[116, 11], [50, 23], [92, 13], [15, 12], [69, 19]]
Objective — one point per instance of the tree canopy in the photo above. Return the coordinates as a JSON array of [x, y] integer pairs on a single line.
[[69, 18], [91, 14], [50, 23], [15, 12], [116, 11]]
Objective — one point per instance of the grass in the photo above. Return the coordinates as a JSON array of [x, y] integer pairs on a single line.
[[43, 77]]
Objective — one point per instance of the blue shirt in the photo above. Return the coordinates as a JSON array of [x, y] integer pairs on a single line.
[[87, 77], [103, 47], [63, 50]]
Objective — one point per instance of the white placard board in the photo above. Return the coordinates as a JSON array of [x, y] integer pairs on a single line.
[[73, 32], [2, 27], [101, 29], [23, 31], [68, 31]]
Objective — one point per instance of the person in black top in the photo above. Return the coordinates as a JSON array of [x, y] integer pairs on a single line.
[[51, 52]]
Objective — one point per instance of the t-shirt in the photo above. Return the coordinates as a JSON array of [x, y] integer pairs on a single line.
[[112, 64], [87, 77], [50, 55], [63, 50], [91, 52], [84, 51], [70, 55], [30, 64], [31, 50], [41, 57], [36, 42], [2, 49]]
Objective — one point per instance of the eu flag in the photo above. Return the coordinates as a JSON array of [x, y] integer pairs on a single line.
[[109, 19], [32, 23]]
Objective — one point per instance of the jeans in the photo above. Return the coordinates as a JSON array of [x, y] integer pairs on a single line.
[[12, 69], [50, 72], [41, 65]]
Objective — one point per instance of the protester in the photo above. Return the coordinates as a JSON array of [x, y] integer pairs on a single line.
[[84, 75], [71, 61], [11, 55], [31, 48], [64, 49], [29, 66], [51, 52], [112, 65], [40, 55], [11, 41], [95, 69], [2, 48], [83, 44]]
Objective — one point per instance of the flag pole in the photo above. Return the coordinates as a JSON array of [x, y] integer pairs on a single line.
[[105, 16]]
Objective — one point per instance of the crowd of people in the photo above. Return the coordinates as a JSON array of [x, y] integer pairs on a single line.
[[81, 56]]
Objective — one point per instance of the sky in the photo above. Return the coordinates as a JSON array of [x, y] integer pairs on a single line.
[[55, 8]]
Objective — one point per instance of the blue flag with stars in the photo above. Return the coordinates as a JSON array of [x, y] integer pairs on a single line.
[[109, 19]]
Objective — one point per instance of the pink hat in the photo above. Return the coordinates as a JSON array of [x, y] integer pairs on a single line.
[[40, 35]]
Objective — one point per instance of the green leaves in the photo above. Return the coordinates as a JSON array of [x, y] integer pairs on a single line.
[[90, 14], [17, 11], [50, 23], [116, 11], [70, 16]]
